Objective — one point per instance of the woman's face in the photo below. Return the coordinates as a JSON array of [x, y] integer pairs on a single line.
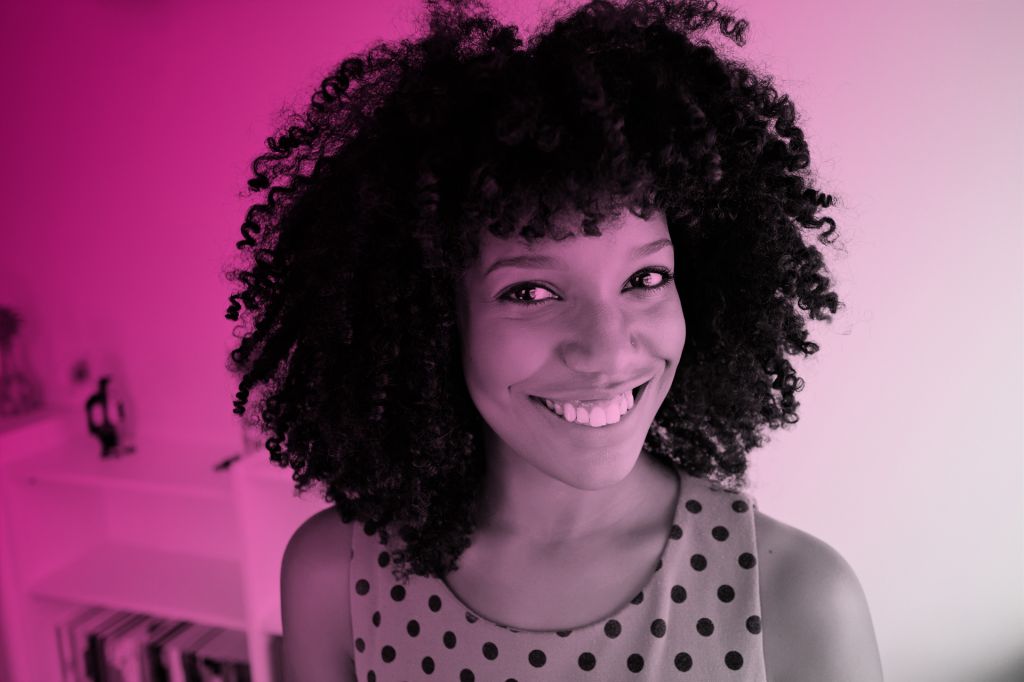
[[580, 323]]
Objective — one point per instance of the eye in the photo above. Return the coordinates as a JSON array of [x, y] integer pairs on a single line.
[[648, 281], [664, 277], [525, 287]]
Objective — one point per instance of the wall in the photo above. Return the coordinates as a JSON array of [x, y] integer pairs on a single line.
[[130, 127]]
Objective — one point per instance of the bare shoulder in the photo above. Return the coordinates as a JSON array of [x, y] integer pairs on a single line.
[[315, 615], [814, 614]]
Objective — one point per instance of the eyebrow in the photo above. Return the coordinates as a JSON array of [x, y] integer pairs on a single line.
[[536, 261]]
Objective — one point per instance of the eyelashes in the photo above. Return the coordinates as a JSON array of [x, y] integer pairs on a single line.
[[508, 295]]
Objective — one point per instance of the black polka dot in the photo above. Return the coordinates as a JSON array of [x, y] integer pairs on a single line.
[[471, 617], [398, 593], [360, 645], [733, 660], [658, 628], [362, 587], [726, 593], [683, 661], [754, 625], [638, 599], [435, 603], [387, 654], [739, 506], [537, 658], [449, 639], [676, 532], [369, 528], [376, 618], [699, 562], [383, 559], [635, 663], [490, 651], [720, 533], [371, 676], [413, 628], [428, 665], [466, 675], [693, 506], [747, 560], [612, 628], [586, 661], [705, 626], [678, 594], [563, 633]]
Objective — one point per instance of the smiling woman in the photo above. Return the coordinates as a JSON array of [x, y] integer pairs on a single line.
[[525, 312]]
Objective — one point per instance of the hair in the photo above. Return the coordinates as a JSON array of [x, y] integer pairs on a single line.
[[372, 201]]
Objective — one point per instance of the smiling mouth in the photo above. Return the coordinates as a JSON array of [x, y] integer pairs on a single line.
[[596, 413]]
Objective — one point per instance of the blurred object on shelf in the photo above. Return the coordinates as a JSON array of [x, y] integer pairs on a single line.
[[109, 419], [20, 392], [99, 643]]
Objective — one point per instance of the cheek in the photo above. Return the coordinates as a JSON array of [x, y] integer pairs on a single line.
[[681, 325], [499, 356], [484, 361], [672, 329]]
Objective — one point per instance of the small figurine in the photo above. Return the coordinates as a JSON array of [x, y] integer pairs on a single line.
[[110, 432]]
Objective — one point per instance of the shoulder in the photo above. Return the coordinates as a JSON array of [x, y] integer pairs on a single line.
[[317, 638], [319, 535], [814, 613]]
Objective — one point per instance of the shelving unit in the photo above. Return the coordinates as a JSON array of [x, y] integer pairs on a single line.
[[159, 532]]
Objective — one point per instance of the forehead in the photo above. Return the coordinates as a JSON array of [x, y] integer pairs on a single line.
[[622, 234]]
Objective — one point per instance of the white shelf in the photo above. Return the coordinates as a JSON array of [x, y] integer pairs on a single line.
[[37, 430], [159, 469], [159, 531], [168, 584]]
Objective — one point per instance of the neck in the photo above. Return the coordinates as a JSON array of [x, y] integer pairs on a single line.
[[526, 505]]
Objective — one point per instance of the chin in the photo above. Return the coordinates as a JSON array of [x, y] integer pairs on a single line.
[[602, 468]]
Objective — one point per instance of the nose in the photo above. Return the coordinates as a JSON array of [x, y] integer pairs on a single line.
[[601, 341]]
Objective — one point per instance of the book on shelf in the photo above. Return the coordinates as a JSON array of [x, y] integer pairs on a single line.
[[124, 652], [179, 652], [97, 644], [154, 665], [224, 658], [83, 665], [65, 643]]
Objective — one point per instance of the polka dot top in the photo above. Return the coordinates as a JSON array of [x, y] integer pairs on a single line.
[[698, 618]]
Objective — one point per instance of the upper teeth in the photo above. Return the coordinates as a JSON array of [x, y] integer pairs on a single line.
[[593, 412]]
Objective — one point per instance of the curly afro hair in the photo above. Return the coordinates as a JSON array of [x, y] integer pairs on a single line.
[[374, 200]]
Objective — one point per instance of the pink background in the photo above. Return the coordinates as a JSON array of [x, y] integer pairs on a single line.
[[129, 127]]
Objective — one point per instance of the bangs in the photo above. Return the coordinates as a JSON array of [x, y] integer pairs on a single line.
[[530, 209]]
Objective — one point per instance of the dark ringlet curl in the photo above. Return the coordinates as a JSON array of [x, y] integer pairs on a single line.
[[374, 198]]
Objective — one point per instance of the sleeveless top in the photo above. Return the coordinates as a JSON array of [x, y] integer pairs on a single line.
[[698, 618]]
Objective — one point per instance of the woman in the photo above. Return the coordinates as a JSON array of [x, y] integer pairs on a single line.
[[524, 312]]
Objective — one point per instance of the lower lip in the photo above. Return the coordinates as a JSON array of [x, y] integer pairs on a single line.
[[559, 418]]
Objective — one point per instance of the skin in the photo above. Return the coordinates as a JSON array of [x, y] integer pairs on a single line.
[[560, 498]]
